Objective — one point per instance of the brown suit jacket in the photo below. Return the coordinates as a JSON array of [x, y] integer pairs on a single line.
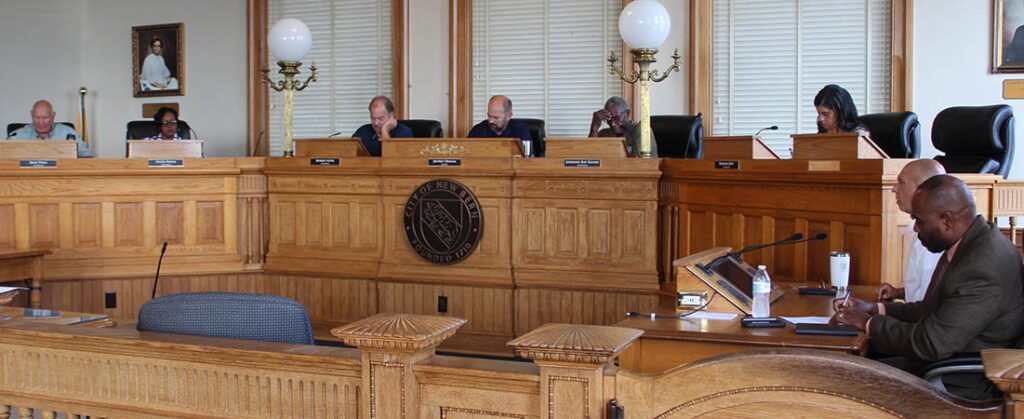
[[974, 302]]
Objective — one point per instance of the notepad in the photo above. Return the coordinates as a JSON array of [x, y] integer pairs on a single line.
[[807, 319], [4, 290]]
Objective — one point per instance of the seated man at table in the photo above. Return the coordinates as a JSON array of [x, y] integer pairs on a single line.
[[975, 300], [616, 114], [43, 128], [383, 125], [920, 264], [499, 124]]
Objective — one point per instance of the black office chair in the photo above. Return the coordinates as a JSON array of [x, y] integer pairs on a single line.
[[975, 139], [897, 133], [14, 126], [679, 136], [536, 127], [266, 318], [966, 365], [423, 128], [141, 130]]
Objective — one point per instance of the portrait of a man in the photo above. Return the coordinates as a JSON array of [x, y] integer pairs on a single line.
[[1008, 36], [158, 60]]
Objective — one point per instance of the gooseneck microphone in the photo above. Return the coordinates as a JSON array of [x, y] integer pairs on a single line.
[[159, 262], [771, 128], [819, 236], [332, 135], [795, 238]]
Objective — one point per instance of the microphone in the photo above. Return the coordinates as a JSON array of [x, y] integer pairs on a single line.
[[337, 133], [795, 238], [819, 236], [771, 128], [159, 262]]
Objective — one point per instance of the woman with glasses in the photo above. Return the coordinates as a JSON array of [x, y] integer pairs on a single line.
[[167, 120]]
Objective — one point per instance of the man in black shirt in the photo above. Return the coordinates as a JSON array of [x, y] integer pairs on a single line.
[[499, 124]]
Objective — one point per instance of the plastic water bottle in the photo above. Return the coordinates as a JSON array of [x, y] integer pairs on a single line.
[[762, 293]]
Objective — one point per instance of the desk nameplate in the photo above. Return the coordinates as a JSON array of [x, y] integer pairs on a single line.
[[324, 161], [444, 162], [582, 162], [28, 164], [166, 163]]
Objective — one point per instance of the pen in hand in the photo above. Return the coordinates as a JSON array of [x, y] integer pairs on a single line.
[[846, 299]]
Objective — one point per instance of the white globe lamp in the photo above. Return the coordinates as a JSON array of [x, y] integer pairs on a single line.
[[289, 39], [644, 24]]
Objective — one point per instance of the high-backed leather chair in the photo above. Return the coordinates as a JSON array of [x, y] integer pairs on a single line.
[[423, 128], [536, 127], [140, 130], [14, 126], [265, 318], [975, 139], [680, 136], [897, 133]]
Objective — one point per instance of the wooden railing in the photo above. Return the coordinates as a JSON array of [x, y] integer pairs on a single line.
[[395, 373]]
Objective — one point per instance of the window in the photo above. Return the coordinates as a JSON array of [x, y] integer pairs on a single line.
[[548, 56], [771, 57], [353, 53]]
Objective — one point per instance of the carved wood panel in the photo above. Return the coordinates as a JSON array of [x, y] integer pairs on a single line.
[[487, 309], [178, 387], [585, 236], [538, 306], [7, 228]]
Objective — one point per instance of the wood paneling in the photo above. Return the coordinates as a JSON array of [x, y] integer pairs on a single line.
[[488, 310], [107, 218], [538, 306], [7, 228], [766, 201]]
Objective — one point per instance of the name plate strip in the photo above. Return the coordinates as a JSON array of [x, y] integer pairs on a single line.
[[28, 164]]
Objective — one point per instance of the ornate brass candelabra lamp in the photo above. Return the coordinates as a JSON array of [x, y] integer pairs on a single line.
[[643, 58], [289, 86]]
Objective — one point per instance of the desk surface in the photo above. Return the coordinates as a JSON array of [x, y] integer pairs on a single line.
[[724, 336], [9, 315]]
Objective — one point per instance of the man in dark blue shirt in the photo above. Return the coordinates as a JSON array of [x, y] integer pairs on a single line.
[[499, 124], [383, 125]]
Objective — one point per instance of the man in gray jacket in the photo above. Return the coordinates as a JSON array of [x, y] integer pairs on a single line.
[[975, 300]]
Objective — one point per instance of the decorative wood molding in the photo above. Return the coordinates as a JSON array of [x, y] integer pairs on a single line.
[[574, 343], [700, 64], [460, 57], [902, 49], [1005, 367], [402, 333], [400, 54], [259, 102]]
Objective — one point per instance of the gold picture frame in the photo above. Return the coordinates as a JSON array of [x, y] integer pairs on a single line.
[[1007, 36], [158, 60]]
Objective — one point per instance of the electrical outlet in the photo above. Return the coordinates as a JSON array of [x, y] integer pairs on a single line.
[[442, 304], [110, 299]]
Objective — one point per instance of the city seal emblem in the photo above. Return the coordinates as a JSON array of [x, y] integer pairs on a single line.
[[443, 221]]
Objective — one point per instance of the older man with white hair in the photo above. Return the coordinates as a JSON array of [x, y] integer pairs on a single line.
[[43, 128]]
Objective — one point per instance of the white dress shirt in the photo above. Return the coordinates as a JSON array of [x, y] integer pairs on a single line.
[[917, 273]]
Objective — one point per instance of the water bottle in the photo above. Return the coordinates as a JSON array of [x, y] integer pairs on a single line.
[[762, 293]]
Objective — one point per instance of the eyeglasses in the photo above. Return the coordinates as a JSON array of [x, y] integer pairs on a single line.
[[171, 122]]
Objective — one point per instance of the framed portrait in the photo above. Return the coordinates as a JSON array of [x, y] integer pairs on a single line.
[[1007, 36], [158, 60]]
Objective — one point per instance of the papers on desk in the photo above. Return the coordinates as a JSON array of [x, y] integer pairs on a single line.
[[807, 319], [710, 315]]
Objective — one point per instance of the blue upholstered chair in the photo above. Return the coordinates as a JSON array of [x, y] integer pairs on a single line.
[[266, 318]]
